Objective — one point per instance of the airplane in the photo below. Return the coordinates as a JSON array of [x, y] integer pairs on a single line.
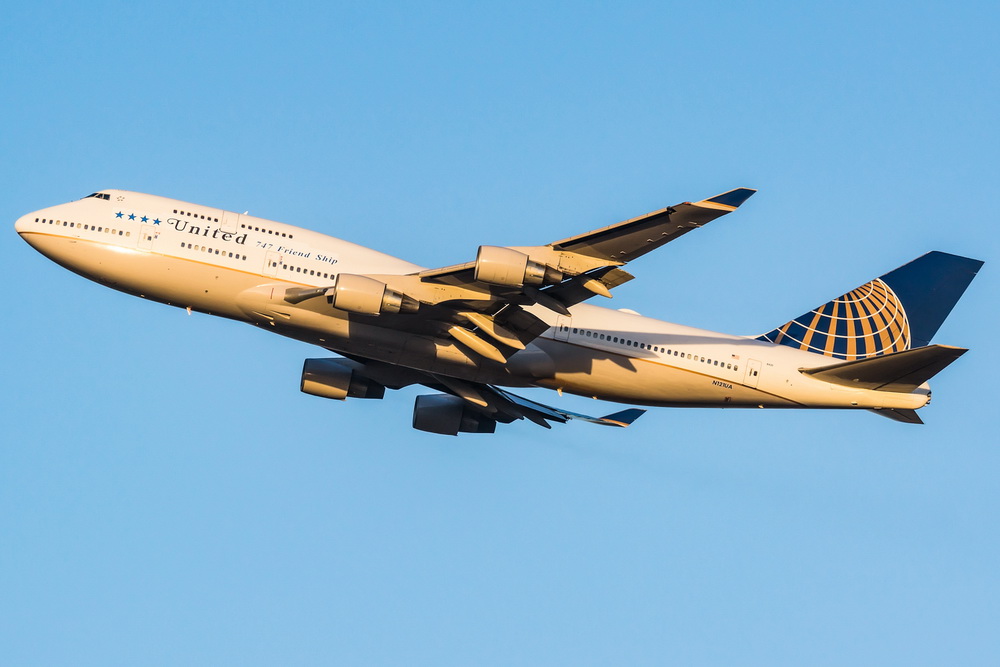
[[513, 317]]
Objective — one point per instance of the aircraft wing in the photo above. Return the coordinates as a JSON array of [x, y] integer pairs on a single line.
[[505, 407], [633, 238], [622, 242], [492, 403], [482, 304]]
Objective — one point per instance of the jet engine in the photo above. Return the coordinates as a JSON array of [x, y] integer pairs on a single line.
[[511, 268], [337, 379], [448, 415], [367, 296]]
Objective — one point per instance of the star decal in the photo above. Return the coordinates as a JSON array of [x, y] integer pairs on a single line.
[[144, 219], [156, 222], [131, 216], [119, 214]]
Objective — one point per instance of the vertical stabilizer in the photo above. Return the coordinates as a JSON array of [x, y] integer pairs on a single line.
[[898, 311]]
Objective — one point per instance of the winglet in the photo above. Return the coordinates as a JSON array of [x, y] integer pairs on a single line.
[[623, 418], [732, 199]]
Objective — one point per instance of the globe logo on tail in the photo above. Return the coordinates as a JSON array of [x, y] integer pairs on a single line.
[[865, 322]]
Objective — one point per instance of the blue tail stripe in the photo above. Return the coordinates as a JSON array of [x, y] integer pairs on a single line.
[[929, 287]]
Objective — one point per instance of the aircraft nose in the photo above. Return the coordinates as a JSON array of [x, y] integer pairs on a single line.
[[21, 226]]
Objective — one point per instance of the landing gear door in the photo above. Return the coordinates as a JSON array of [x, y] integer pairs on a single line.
[[753, 373], [562, 327], [272, 261]]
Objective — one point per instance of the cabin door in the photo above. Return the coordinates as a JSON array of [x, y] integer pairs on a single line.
[[147, 234], [562, 327], [230, 222], [752, 373], [272, 260]]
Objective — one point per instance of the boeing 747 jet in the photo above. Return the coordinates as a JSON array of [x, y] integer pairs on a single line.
[[512, 317]]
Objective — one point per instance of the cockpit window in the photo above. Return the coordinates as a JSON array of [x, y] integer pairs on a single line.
[[99, 195]]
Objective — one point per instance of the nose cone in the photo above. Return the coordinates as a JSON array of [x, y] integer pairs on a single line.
[[21, 226]]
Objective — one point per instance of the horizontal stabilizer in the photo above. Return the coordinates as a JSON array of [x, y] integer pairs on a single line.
[[900, 371], [900, 415]]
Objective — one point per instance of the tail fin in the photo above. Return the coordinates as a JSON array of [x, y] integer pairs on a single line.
[[897, 311]]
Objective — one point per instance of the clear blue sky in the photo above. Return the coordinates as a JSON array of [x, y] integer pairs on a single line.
[[167, 496]]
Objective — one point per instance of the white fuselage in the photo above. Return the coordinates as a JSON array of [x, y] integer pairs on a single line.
[[238, 266]]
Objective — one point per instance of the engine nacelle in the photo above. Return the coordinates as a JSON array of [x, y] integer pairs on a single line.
[[511, 268], [448, 415], [367, 296], [337, 379]]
